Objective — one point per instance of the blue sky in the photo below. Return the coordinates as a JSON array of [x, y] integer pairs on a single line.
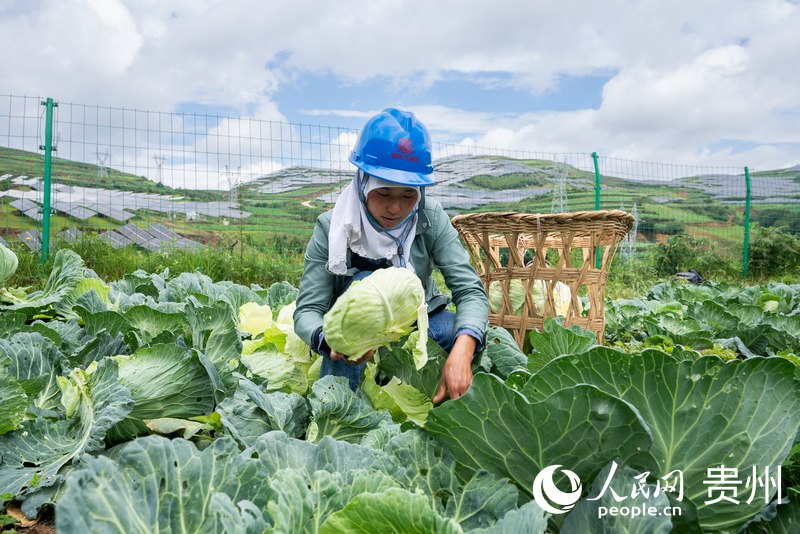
[[492, 92], [308, 98], [706, 83]]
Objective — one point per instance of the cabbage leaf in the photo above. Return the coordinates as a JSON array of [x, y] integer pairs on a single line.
[[154, 484], [702, 413], [536, 433], [34, 455], [8, 263], [68, 270], [339, 412]]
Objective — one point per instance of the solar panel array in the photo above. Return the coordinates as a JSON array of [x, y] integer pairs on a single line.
[[140, 237], [33, 239], [73, 210], [34, 213], [167, 237], [83, 203], [156, 238], [86, 202], [113, 213], [23, 204], [70, 235], [115, 239]]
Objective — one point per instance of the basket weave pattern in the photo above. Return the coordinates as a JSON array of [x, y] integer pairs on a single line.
[[573, 248]]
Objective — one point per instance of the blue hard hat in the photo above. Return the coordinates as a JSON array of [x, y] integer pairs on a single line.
[[395, 147]]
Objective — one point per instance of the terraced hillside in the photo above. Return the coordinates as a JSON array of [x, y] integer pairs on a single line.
[[286, 202]]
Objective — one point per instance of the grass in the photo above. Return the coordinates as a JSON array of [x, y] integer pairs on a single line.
[[273, 262], [629, 279], [514, 180]]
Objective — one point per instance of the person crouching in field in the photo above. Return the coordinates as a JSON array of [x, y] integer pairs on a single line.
[[383, 219]]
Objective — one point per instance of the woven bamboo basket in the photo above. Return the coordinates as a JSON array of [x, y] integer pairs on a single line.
[[539, 251]]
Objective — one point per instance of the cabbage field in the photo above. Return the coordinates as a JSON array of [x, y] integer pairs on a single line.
[[164, 402]]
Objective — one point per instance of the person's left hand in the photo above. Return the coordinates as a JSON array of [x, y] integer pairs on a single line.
[[457, 372], [339, 356]]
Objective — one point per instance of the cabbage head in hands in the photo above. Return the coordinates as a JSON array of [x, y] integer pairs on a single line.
[[376, 311]]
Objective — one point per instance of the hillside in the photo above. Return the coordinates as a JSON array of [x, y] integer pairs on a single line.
[[288, 201], [22, 163]]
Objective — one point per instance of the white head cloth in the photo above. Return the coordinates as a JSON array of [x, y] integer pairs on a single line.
[[350, 228]]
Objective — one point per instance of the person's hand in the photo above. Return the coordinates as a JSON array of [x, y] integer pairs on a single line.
[[339, 356], [457, 372]]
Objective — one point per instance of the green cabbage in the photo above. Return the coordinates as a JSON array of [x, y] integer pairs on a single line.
[[254, 319], [562, 296], [8, 263], [403, 401], [516, 296], [376, 311], [164, 380], [282, 371], [294, 346]]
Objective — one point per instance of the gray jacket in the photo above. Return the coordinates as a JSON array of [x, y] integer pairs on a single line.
[[436, 245]]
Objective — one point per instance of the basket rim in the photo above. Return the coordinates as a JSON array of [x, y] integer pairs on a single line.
[[586, 215], [620, 222]]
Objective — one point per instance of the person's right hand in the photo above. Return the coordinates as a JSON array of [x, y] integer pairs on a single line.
[[339, 356]]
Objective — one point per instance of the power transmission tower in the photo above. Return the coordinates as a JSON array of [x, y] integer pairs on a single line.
[[233, 179], [559, 204], [629, 241], [102, 170], [159, 159]]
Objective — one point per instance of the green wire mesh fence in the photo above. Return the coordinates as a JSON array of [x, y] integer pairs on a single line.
[[157, 180]]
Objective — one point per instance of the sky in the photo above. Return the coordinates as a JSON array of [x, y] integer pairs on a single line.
[[696, 82]]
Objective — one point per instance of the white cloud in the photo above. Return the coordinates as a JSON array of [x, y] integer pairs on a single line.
[[687, 75], [339, 150]]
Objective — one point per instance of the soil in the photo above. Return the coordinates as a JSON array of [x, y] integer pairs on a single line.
[[39, 528], [46, 524]]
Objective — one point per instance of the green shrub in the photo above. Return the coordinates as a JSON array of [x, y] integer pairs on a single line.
[[682, 252], [772, 217], [718, 212], [652, 226], [773, 252]]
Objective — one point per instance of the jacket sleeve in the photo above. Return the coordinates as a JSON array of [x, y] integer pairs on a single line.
[[316, 288], [468, 294]]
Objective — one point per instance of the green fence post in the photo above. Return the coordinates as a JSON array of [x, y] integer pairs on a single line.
[[598, 261], [48, 153], [596, 181], [746, 246]]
